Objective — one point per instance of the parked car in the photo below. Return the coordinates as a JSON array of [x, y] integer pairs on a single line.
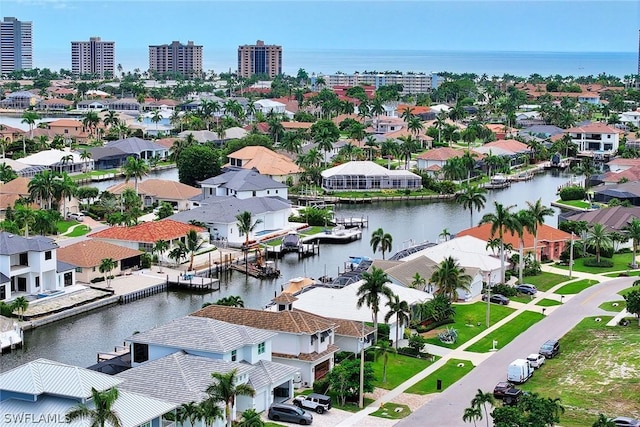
[[289, 413], [526, 289], [519, 371], [497, 299], [626, 422], [500, 389], [550, 349], [535, 360], [77, 216], [315, 402], [512, 396]]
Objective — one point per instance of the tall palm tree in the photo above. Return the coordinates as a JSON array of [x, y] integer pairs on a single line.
[[178, 252], [598, 238], [101, 413], [370, 292], [90, 121], [538, 211], [225, 388], [472, 198], [106, 266], [400, 309], [525, 224], [85, 155], [194, 242], [418, 281], [160, 247], [209, 411], [381, 240], [64, 188], [472, 414], [24, 217], [41, 187], [30, 118], [449, 277], [480, 401], [632, 230], [136, 168], [20, 305], [502, 220], [246, 225], [156, 117]]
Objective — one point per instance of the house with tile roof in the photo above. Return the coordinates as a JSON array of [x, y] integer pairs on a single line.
[[243, 184], [55, 104], [440, 156], [267, 162], [621, 164], [42, 391], [140, 148], [614, 219], [368, 176], [70, 129], [599, 139], [155, 191], [303, 340], [143, 236], [627, 191], [87, 255], [20, 100]]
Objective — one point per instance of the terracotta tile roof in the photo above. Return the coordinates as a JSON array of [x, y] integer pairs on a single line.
[[344, 327], [261, 127], [265, 161], [18, 186], [294, 322], [621, 161], [54, 101], [441, 154], [631, 174], [158, 188], [89, 253], [308, 357], [296, 125], [166, 142], [546, 233], [509, 144], [284, 298], [65, 123], [415, 109], [342, 117], [596, 127], [434, 168], [148, 232]]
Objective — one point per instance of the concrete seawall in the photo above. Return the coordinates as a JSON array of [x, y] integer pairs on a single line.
[[104, 302]]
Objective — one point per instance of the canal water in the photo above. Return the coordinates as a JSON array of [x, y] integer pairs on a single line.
[[77, 340]]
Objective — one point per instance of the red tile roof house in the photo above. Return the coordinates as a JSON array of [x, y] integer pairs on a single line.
[[153, 191], [551, 241], [87, 255], [143, 236], [440, 156]]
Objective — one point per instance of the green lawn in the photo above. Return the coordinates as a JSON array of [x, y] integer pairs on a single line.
[[620, 263], [272, 424], [521, 298], [548, 302], [596, 372], [80, 230], [628, 273], [627, 290], [349, 406], [467, 318], [576, 287], [63, 226], [448, 374], [609, 306], [392, 411], [575, 203], [506, 333], [399, 369], [545, 281]]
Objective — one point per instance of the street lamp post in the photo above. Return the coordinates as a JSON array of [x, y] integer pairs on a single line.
[[361, 396], [571, 257], [488, 281]]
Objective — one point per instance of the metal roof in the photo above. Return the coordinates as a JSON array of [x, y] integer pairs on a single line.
[[243, 180], [224, 209]]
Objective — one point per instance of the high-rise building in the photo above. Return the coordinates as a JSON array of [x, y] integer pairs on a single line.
[[16, 45], [93, 57], [259, 58], [185, 59]]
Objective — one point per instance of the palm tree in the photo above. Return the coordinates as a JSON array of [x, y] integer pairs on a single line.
[[102, 413], [91, 121], [445, 234], [20, 304], [537, 211], [400, 309], [525, 224], [190, 411], [225, 388], [502, 220], [85, 155], [449, 277], [178, 252], [586, 168], [24, 217], [480, 401], [370, 292], [136, 168], [231, 301], [156, 117], [30, 118], [632, 229], [381, 240], [251, 418], [209, 411], [160, 246], [471, 198], [111, 120], [246, 225], [106, 266], [41, 187], [64, 188], [194, 242], [371, 143], [418, 281], [598, 238], [472, 414]]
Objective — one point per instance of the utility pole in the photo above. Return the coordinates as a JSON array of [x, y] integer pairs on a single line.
[[361, 399], [571, 257], [488, 299]]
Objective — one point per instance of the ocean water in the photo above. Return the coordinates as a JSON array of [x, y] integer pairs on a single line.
[[327, 61]]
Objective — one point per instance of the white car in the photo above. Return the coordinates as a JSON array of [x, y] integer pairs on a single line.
[[535, 360], [78, 216]]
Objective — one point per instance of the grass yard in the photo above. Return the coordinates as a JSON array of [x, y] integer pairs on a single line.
[[63, 226], [613, 306], [467, 318], [620, 263], [525, 299], [575, 203], [627, 290], [506, 333], [545, 281], [548, 302], [392, 411], [399, 369], [349, 406], [576, 287], [596, 372], [80, 230], [630, 274], [449, 374]]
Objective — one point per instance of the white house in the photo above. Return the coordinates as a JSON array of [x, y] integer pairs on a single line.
[[630, 117], [59, 160], [368, 176], [598, 138], [243, 184], [267, 106]]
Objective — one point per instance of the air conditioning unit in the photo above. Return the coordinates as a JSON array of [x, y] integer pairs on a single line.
[[297, 380]]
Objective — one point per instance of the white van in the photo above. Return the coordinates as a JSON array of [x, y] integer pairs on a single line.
[[519, 371]]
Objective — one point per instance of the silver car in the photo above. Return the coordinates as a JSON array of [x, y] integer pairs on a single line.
[[289, 413]]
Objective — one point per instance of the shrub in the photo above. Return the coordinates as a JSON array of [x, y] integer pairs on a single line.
[[383, 332], [506, 290], [604, 263], [321, 386], [427, 326], [342, 355], [5, 310], [408, 351], [573, 192], [98, 279]]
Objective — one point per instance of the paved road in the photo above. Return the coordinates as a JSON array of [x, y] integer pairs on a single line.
[[447, 408]]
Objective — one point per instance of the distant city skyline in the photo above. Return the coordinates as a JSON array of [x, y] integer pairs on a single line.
[[221, 26]]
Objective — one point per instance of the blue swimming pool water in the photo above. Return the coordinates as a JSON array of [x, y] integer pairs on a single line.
[[263, 232]]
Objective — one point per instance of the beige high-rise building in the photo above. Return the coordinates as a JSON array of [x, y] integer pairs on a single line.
[[259, 58], [93, 57], [16, 45], [185, 59]]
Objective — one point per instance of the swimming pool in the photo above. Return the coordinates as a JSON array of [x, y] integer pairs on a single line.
[[264, 232]]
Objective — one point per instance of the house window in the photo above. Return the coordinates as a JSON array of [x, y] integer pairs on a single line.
[[47, 255], [78, 269], [37, 281], [234, 355], [147, 424], [24, 259], [140, 352], [254, 194], [94, 269], [261, 348]]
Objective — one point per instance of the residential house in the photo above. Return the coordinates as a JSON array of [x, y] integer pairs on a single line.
[[12, 191], [114, 104], [620, 164], [54, 105], [106, 158], [542, 131], [515, 151], [597, 138], [21, 169], [140, 148], [267, 162], [387, 124], [219, 215], [156, 191], [243, 183], [87, 255], [20, 100], [438, 157], [59, 161], [423, 112], [42, 391], [71, 130], [423, 139], [618, 177], [29, 266], [631, 117], [268, 106], [143, 236], [203, 136], [368, 176], [303, 341], [628, 191], [613, 219]]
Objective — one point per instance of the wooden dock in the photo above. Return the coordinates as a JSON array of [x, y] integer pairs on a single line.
[[303, 250], [353, 222], [193, 282], [256, 271], [336, 235]]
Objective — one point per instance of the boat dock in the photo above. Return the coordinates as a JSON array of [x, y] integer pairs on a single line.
[[338, 234], [266, 271], [353, 222], [302, 249], [10, 335]]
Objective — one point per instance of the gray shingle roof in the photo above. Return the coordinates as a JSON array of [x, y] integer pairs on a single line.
[[135, 145], [98, 153], [223, 210], [11, 244], [202, 334], [265, 373], [64, 266], [243, 180]]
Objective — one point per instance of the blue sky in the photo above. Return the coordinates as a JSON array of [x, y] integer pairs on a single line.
[[453, 25]]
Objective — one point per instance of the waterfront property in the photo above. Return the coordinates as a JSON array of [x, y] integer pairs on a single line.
[[58, 160], [435, 159], [625, 192], [43, 391], [368, 176], [267, 162], [139, 148], [243, 184], [614, 219], [597, 139], [155, 191]]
